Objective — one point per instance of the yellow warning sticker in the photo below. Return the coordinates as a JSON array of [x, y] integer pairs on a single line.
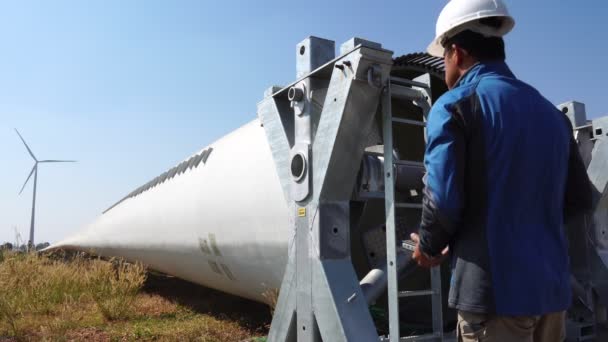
[[301, 212]]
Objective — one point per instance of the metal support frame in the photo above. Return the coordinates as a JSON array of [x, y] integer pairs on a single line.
[[316, 130], [389, 193], [419, 94], [317, 151]]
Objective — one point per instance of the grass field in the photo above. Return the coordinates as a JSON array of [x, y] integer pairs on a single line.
[[75, 298]]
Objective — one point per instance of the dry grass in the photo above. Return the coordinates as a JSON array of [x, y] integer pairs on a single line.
[[78, 299], [113, 286]]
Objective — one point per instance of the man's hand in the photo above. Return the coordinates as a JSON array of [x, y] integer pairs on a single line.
[[422, 259]]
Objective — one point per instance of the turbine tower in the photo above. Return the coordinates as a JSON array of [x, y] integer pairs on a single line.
[[17, 239], [34, 171]]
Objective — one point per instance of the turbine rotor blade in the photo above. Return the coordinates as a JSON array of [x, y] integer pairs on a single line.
[[28, 178], [24, 143], [57, 161]]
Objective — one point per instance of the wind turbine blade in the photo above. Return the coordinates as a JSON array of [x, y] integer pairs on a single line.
[[28, 178], [24, 143], [57, 161]]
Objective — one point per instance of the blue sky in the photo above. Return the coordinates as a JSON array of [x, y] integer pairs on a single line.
[[130, 88]]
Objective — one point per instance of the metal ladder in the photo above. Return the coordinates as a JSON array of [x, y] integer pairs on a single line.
[[418, 93]]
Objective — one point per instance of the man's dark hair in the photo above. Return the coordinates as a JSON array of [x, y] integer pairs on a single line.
[[479, 46]]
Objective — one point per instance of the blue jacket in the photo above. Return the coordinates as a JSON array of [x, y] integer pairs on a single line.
[[503, 171]]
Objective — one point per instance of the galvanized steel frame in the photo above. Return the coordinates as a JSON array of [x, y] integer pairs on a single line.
[[320, 297]]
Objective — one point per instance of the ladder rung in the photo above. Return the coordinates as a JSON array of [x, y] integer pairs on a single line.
[[406, 93], [426, 337], [410, 122], [405, 81], [409, 163], [374, 153], [403, 294], [408, 205]]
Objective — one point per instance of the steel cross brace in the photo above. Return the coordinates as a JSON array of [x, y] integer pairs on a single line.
[[317, 130]]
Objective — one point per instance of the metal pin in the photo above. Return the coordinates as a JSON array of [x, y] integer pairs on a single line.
[[351, 298]]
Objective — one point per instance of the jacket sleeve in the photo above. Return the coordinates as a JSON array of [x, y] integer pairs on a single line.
[[578, 194], [443, 195]]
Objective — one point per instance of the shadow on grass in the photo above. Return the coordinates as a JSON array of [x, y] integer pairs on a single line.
[[250, 315]]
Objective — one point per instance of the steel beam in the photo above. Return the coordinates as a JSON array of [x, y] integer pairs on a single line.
[[317, 130]]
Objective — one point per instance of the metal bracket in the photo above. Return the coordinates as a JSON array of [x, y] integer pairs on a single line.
[[320, 297]]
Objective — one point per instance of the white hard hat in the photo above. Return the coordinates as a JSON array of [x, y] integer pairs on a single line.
[[461, 15]]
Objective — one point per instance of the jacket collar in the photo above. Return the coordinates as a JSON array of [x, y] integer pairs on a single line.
[[480, 69]]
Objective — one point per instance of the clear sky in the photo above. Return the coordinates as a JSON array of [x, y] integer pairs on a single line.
[[130, 88]]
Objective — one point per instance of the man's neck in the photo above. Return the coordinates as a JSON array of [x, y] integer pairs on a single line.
[[464, 70], [466, 66]]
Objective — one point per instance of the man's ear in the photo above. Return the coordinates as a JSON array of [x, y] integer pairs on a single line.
[[460, 55]]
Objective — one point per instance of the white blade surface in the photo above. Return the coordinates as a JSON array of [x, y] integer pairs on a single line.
[[28, 178], [24, 143], [57, 161]]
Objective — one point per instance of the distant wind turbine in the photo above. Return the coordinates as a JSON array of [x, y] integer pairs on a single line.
[[35, 172], [17, 239]]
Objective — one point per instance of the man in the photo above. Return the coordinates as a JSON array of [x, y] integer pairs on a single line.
[[503, 173]]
